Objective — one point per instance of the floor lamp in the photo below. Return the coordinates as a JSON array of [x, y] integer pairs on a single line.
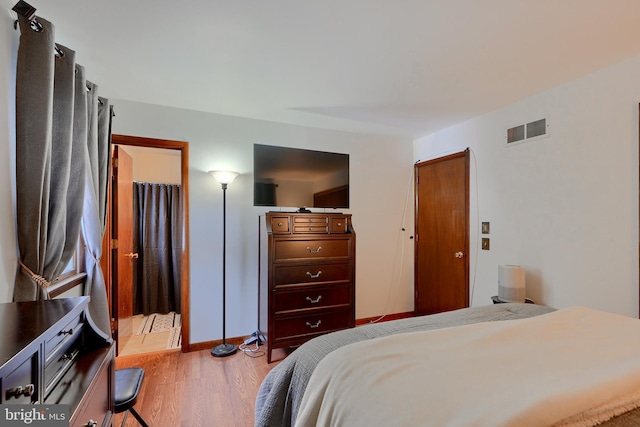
[[224, 178]]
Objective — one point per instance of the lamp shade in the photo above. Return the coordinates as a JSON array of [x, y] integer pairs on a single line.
[[511, 283], [224, 177]]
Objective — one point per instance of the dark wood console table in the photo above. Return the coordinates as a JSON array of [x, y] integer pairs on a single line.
[[48, 355]]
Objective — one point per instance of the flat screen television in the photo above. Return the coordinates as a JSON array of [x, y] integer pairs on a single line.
[[299, 178]]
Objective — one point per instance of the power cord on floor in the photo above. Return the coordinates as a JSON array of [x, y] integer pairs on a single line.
[[247, 347], [251, 351]]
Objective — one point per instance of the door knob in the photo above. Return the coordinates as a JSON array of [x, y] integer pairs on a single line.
[[459, 255], [131, 255]]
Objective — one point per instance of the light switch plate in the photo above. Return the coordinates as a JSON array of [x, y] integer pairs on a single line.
[[485, 243], [485, 228]]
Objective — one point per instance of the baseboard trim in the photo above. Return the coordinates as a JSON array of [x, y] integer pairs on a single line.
[[208, 345], [385, 318]]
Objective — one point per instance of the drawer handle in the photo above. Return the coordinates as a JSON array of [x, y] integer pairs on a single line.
[[314, 276], [314, 301], [311, 251], [67, 332], [313, 326], [280, 224], [339, 224], [27, 390], [92, 423]]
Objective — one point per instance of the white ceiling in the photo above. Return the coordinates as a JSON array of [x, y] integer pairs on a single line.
[[401, 67]]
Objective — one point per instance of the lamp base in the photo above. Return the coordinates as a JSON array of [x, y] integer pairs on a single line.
[[223, 350]]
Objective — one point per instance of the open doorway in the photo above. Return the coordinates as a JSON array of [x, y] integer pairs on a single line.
[[148, 282]]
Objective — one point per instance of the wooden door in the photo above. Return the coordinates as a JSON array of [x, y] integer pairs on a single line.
[[123, 256], [442, 234]]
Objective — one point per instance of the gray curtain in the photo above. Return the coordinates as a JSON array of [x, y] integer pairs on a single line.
[[97, 128], [53, 105], [157, 238], [49, 188]]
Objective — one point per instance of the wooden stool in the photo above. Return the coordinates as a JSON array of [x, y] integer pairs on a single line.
[[128, 382]]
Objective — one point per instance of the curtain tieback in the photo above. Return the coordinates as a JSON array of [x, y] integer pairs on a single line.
[[41, 281], [91, 255]]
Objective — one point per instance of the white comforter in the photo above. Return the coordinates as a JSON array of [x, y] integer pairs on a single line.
[[575, 366]]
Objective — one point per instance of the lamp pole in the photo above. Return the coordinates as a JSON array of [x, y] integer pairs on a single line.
[[224, 349]]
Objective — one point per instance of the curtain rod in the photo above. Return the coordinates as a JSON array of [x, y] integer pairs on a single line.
[[23, 8]]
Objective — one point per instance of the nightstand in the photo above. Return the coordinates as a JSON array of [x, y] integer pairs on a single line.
[[497, 300]]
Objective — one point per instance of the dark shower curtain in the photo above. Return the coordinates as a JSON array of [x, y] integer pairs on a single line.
[[157, 227]]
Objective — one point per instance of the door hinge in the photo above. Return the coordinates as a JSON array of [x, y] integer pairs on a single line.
[[114, 243], [114, 325], [417, 237], [114, 162]]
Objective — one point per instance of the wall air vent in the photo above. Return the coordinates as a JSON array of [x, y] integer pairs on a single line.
[[528, 132], [515, 134]]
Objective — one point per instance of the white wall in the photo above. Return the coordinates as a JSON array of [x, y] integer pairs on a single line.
[[565, 207], [160, 166], [8, 245], [380, 169]]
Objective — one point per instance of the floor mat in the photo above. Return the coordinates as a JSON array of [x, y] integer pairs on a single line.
[[159, 323]]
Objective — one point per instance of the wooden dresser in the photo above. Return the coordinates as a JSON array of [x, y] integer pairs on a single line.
[[48, 355], [307, 277]]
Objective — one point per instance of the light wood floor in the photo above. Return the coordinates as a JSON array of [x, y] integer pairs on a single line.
[[196, 389]]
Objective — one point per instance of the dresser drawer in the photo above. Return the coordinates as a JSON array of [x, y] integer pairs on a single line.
[[280, 224], [311, 273], [21, 384], [312, 249], [58, 365], [306, 224], [310, 219], [96, 404], [295, 327], [87, 387], [338, 224], [310, 297], [310, 229], [68, 334]]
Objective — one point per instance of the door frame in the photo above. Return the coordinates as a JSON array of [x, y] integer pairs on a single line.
[[183, 147], [467, 176]]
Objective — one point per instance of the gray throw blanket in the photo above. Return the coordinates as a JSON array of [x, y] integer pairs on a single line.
[[281, 392]]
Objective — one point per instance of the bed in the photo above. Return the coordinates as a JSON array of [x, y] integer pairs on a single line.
[[281, 394]]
